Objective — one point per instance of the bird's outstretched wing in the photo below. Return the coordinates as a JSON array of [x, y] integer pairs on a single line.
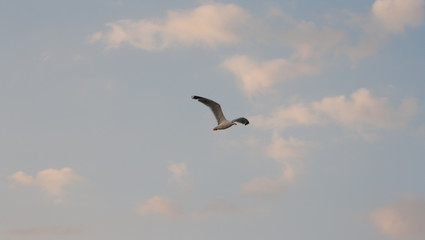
[[215, 108], [242, 120]]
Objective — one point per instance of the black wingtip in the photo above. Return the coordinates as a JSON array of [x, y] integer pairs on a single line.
[[195, 97]]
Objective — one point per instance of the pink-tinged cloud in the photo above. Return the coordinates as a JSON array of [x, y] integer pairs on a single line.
[[208, 25], [158, 206], [395, 15], [363, 110], [179, 175], [283, 150], [22, 178], [403, 219], [386, 17], [270, 187], [360, 112], [299, 114], [256, 77], [265, 187], [52, 181], [310, 41], [287, 154]]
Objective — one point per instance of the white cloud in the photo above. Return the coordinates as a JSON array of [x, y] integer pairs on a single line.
[[264, 187], [52, 181], [94, 37], [395, 15], [179, 175], [363, 110], [284, 117], [281, 149], [403, 219], [309, 41], [258, 77], [208, 25], [386, 17], [158, 206], [287, 154], [215, 24], [359, 112]]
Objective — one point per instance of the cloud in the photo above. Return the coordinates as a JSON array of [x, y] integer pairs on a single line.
[[257, 77], [402, 219], [359, 112], [287, 154], [265, 187], [208, 25], [94, 37], [310, 41], [215, 24], [395, 15], [22, 178], [282, 149], [285, 117], [386, 17], [158, 206], [363, 110], [179, 175], [52, 181]]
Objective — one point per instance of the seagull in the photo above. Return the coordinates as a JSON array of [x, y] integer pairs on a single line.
[[222, 122]]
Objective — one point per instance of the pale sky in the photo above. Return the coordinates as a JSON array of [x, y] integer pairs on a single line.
[[101, 140]]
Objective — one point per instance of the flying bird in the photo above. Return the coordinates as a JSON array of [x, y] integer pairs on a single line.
[[222, 122]]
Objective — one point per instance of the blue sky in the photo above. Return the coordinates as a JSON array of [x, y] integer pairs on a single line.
[[101, 140]]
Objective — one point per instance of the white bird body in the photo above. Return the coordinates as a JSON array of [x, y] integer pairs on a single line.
[[224, 125], [222, 122]]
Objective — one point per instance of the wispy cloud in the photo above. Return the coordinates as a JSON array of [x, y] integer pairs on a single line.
[[208, 25], [265, 187], [216, 24], [402, 219], [310, 41], [287, 154], [51, 181], [257, 77], [158, 206], [281, 149], [299, 114], [179, 175], [386, 17], [363, 111], [396, 15], [359, 112]]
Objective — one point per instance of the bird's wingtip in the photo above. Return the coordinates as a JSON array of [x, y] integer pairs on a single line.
[[195, 97]]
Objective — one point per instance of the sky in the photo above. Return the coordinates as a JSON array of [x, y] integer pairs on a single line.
[[101, 140]]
